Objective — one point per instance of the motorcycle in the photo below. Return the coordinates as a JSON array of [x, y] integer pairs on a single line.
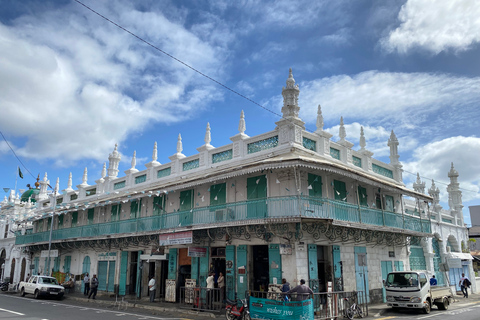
[[4, 286], [237, 309]]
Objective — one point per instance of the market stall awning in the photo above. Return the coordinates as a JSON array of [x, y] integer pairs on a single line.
[[459, 255]]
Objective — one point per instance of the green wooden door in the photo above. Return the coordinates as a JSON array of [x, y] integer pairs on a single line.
[[398, 265], [36, 265], [275, 263], [116, 209], [135, 207], [60, 221], [314, 186], [361, 271], [138, 287], [102, 275], [362, 196], [122, 284], [386, 268], [204, 269], [230, 272], [66, 264], [56, 264], [437, 260], [256, 195], [337, 269], [195, 269], [111, 276], [242, 257], [85, 269], [417, 258], [186, 205], [340, 192]]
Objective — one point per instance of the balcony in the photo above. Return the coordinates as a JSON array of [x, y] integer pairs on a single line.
[[256, 211]]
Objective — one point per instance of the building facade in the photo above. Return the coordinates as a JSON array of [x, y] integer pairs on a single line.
[[288, 203]]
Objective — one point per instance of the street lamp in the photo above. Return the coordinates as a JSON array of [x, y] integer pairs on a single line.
[[51, 225]]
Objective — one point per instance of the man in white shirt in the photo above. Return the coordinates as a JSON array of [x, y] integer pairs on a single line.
[[210, 287], [153, 289], [464, 285], [86, 284]]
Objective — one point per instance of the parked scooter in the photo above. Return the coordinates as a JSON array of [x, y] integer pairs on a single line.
[[4, 286], [237, 310]]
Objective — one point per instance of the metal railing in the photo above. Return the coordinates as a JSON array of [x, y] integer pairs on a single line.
[[279, 207], [202, 299], [325, 305]]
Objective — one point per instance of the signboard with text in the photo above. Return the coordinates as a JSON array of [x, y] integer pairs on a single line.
[[53, 253], [176, 238], [197, 252]]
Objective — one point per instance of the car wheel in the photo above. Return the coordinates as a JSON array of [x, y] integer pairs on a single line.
[[443, 305], [36, 295], [22, 292], [427, 308]]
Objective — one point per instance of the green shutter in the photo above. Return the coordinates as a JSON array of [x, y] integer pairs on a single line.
[[186, 205], [66, 264], [204, 269], [49, 223], [74, 218], [194, 270], [275, 263], [218, 194], [256, 191], [312, 262], [242, 285], [111, 276], [36, 264], [56, 264], [337, 269], [314, 186], [91, 215], [135, 206], [139, 274], [60, 221], [159, 205], [102, 275], [389, 203], [122, 285], [362, 196], [340, 190]]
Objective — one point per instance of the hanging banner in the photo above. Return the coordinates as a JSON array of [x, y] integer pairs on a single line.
[[272, 309], [176, 238], [197, 252]]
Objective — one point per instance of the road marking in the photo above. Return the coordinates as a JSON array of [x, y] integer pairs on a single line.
[[384, 318], [18, 313]]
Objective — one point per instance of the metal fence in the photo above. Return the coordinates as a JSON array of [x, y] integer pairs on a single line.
[[202, 299], [325, 305]]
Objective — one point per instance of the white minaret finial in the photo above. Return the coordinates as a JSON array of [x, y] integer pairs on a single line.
[[69, 185], [342, 132], [319, 119], [134, 159], [113, 162], [154, 155], [454, 193], [393, 144], [363, 144], [241, 124], [57, 185], [208, 137], [434, 192], [84, 181], [179, 144], [290, 97], [104, 170], [418, 185]]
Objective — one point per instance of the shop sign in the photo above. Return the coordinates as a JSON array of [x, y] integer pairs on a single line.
[[107, 256], [53, 253], [454, 263], [176, 238], [197, 252], [271, 309]]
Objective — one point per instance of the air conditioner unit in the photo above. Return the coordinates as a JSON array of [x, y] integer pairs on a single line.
[[220, 215]]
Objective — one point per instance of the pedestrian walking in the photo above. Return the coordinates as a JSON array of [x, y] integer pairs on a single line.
[[152, 287], [86, 284], [302, 290], [464, 285], [210, 288], [93, 287], [221, 285]]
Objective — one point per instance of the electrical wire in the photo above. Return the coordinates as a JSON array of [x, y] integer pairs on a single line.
[[439, 182], [8, 144]]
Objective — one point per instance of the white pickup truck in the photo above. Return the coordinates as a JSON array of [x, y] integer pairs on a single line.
[[411, 289], [41, 286]]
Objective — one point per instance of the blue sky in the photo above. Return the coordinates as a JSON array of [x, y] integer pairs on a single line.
[[72, 84]]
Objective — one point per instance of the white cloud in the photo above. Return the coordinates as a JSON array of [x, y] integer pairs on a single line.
[[391, 99], [93, 85], [435, 26], [433, 161]]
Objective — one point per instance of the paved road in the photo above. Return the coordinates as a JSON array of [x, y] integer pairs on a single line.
[[18, 308]]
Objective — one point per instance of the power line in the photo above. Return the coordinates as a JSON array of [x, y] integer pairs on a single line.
[[176, 59], [439, 182], [8, 144]]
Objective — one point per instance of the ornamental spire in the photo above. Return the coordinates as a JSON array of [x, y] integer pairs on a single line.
[[154, 154], [179, 144], [85, 175], [342, 132], [418, 185], [69, 184], [363, 143], [241, 123], [208, 137], [113, 162], [393, 144], [104, 170], [319, 119], [134, 159], [290, 98]]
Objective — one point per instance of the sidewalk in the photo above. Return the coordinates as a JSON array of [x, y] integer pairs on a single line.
[[128, 302]]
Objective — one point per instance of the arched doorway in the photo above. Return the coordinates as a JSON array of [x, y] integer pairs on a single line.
[[437, 260], [3, 255], [12, 270], [85, 269], [22, 272]]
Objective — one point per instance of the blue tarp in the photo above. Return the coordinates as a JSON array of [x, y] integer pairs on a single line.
[[273, 309]]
